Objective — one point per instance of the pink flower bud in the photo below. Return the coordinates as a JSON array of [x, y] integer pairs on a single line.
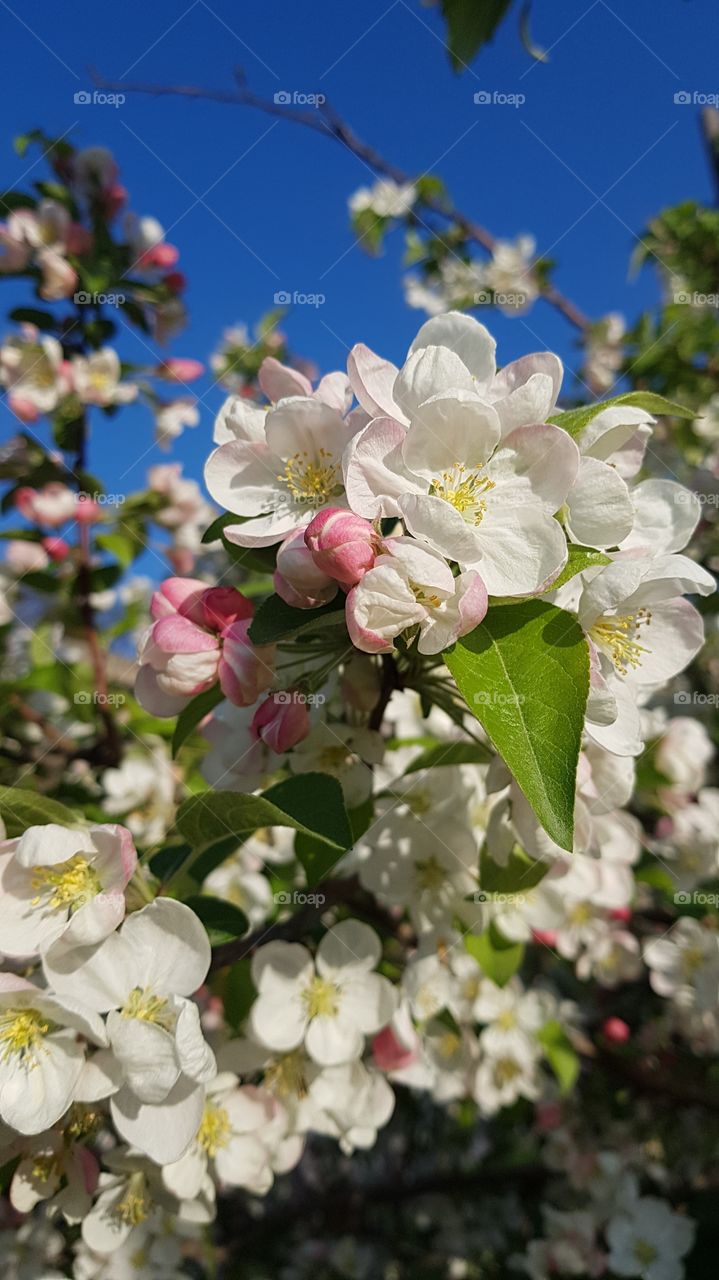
[[180, 595], [180, 369], [178, 660], [281, 721], [114, 198], [25, 557], [389, 1053], [160, 255], [616, 1030], [23, 409], [343, 545], [78, 239], [621, 913], [223, 605], [175, 281], [87, 511], [57, 548], [246, 670], [548, 1116], [547, 937], [298, 580]]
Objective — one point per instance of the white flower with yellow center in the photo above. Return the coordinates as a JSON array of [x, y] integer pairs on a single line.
[[329, 1003], [42, 1053], [56, 883], [684, 965], [96, 379], [242, 1139], [648, 1239], [503, 1077], [280, 481], [141, 977]]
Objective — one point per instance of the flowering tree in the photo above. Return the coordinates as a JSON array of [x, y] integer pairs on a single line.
[[396, 853]]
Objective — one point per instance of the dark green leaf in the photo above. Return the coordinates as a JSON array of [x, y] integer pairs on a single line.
[[21, 809], [223, 920], [276, 620], [520, 874], [193, 713], [524, 673], [470, 24], [451, 753]]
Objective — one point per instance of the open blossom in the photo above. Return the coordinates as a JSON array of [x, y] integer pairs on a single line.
[[476, 496], [279, 481], [411, 585], [646, 1238], [97, 379], [386, 198], [172, 417], [33, 370], [141, 977], [42, 1052], [329, 1004], [58, 884]]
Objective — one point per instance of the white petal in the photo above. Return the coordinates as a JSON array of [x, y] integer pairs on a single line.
[[162, 1132], [349, 945], [464, 335], [600, 512]]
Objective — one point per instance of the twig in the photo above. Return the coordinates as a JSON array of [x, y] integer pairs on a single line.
[[326, 121]]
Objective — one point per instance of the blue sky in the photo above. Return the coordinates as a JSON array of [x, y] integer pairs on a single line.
[[257, 206]]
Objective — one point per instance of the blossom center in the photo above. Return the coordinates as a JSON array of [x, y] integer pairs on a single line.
[[464, 488], [145, 1005], [22, 1032], [618, 637], [645, 1252], [506, 1070], [70, 884], [214, 1132], [134, 1206], [430, 873], [321, 998], [286, 1076], [311, 481]]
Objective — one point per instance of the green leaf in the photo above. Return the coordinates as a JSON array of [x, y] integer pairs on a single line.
[[44, 320], [223, 920], [580, 558], [276, 620], [496, 957], [524, 673], [451, 753], [238, 992], [575, 420], [213, 532], [520, 874], [470, 24], [311, 803], [561, 1056], [193, 713], [124, 547], [21, 809]]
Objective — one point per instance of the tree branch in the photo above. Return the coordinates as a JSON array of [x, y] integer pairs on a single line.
[[325, 120]]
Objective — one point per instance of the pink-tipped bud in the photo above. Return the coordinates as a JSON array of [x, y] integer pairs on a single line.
[[179, 595], [246, 670], [23, 409], [87, 511], [176, 281], [298, 580], [389, 1053], [624, 914], [160, 255], [548, 1116], [57, 548], [282, 721], [224, 605], [616, 1030], [343, 545], [547, 937], [180, 369]]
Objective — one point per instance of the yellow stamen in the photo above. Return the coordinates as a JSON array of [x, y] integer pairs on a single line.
[[135, 1205], [215, 1130], [321, 998], [462, 487], [287, 1076], [70, 884], [22, 1032], [617, 637], [311, 481], [506, 1070], [430, 873], [147, 1007]]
